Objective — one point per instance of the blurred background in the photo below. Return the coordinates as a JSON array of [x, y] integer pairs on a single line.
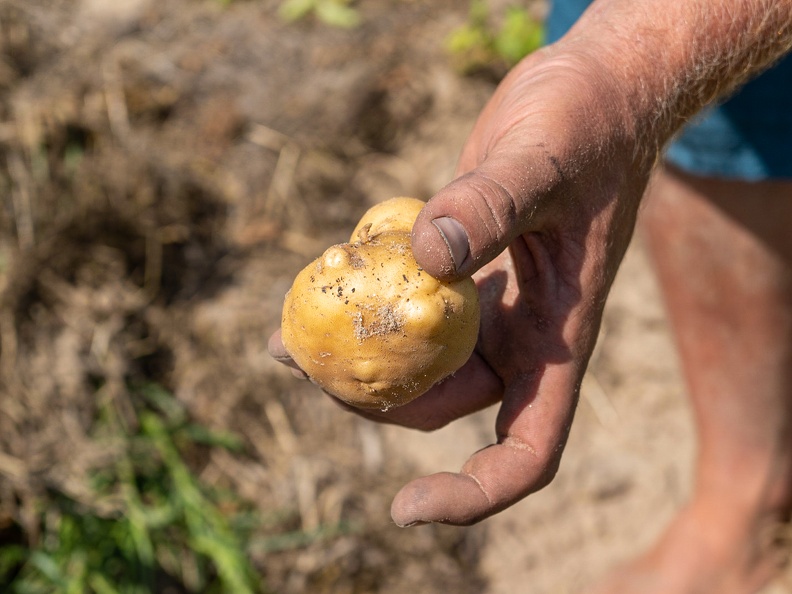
[[166, 168]]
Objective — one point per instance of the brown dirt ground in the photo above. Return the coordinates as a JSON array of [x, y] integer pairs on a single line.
[[165, 170]]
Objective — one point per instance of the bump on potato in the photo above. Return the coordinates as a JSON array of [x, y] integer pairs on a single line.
[[368, 325]]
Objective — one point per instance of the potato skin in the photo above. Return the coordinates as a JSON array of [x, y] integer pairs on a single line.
[[369, 326], [394, 215]]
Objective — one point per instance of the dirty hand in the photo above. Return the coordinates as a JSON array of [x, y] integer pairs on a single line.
[[541, 215]]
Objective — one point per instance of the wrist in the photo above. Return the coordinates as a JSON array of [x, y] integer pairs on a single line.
[[667, 59]]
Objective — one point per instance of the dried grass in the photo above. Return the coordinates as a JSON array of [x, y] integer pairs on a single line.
[[153, 218]]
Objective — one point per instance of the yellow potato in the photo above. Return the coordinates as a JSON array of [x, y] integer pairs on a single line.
[[396, 214], [368, 325]]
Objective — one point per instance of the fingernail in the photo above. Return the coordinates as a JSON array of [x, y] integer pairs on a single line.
[[455, 238]]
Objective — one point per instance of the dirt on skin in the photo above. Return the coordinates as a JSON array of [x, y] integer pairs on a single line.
[[166, 169]]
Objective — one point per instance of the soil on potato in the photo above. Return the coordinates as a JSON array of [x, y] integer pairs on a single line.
[[166, 170]]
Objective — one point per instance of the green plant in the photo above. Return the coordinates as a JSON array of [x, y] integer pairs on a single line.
[[337, 13], [163, 527], [479, 44]]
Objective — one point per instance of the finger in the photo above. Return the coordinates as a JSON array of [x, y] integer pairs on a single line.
[[471, 389], [532, 430], [278, 352], [474, 218], [276, 349]]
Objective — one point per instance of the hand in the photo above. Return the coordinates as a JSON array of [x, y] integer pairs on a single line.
[[541, 215]]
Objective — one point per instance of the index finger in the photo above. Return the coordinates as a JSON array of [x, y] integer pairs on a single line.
[[278, 352], [532, 429]]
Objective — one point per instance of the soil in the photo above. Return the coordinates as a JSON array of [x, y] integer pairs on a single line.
[[167, 168]]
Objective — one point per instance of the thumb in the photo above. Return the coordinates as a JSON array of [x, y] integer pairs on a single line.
[[475, 217]]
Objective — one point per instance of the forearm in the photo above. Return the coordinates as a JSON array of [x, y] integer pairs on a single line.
[[670, 58]]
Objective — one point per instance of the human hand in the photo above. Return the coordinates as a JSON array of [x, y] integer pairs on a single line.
[[553, 173], [543, 210]]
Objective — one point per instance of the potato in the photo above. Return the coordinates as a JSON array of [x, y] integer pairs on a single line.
[[368, 325], [396, 214]]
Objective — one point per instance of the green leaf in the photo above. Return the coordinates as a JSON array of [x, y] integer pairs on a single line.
[[337, 14], [231, 564], [294, 10], [298, 539], [162, 400], [101, 585], [210, 437], [11, 557], [48, 568], [466, 39], [520, 35]]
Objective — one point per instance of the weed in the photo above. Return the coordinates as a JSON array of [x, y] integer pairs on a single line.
[[336, 13], [478, 44], [153, 522]]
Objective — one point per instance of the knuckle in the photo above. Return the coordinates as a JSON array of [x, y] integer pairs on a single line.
[[497, 207]]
